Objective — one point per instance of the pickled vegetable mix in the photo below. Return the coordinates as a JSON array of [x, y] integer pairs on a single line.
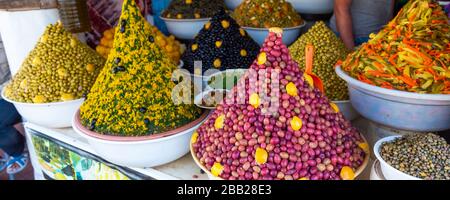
[[300, 137], [221, 44], [59, 68], [266, 14], [328, 50], [192, 9], [132, 95], [412, 53]]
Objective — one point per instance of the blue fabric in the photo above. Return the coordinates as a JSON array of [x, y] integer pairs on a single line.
[[358, 41], [157, 7], [11, 141]]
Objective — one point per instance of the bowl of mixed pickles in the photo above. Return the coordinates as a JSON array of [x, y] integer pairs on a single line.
[[256, 17]]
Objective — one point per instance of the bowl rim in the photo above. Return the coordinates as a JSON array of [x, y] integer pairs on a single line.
[[197, 161], [38, 104], [199, 97], [183, 20], [180, 64], [376, 151], [267, 29], [76, 124], [397, 93], [341, 101]]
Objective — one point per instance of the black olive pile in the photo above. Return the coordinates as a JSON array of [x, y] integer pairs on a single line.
[[221, 44], [193, 9]]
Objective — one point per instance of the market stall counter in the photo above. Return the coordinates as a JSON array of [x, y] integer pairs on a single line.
[[62, 154]]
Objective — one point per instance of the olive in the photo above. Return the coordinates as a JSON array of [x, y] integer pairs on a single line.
[[151, 39], [117, 60], [142, 109]]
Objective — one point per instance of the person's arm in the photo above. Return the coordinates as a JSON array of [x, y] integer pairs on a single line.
[[344, 22]]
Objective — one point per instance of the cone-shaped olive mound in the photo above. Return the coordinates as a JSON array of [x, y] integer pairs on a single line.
[[132, 95], [221, 45], [290, 132], [59, 68], [328, 49]]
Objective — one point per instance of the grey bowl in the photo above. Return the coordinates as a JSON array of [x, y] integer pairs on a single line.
[[399, 109]]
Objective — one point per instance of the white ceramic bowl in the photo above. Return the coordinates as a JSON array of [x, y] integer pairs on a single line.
[[389, 172], [347, 109], [185, 28], [212, 177], [289, 34], [50, 115], [145, 151], [399, 109], [375, 172], [313, 6], [233, 4]]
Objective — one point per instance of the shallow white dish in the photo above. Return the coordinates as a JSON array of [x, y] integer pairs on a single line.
[[389, 172], [185, 28], [289, 34], [145, 151], [50, 115]]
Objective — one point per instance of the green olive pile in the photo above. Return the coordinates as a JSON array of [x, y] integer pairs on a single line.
[[193, 9], [328, 49], [221, 45], [425, 156], [59, 68]]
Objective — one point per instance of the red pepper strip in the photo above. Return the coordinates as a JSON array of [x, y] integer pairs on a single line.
[[386, 85], [439, 21], [409, 81], [338, 63], [379, 74], [392, 59], [364, 79]]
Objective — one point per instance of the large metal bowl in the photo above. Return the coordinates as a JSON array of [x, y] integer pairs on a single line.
[[143, 151], [312, 6], [185, 28], [51, 115], [399, 109], [289, 34]]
